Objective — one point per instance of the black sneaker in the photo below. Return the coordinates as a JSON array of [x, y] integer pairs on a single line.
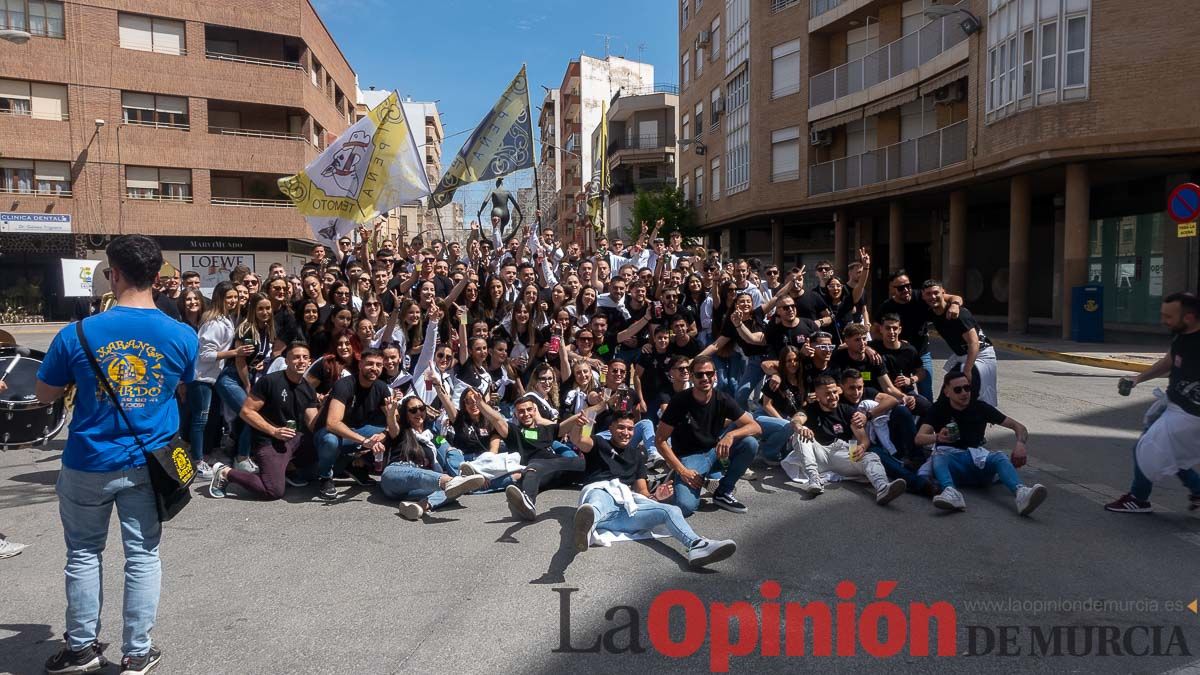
[[729, 503], [326, 490], [136, 665], [1127, 503], [362, 476], [87, 660]]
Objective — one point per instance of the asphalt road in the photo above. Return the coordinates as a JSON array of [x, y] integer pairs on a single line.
[[301, 586]]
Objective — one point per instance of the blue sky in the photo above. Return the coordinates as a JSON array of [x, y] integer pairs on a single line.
[[462, 53]]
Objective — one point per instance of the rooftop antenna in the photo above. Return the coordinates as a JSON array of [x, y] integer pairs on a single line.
[[607, 41], [641, 52]]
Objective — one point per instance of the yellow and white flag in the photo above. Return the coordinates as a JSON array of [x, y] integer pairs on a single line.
[[371, 168]]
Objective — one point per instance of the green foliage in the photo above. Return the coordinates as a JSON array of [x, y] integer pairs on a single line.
[[666, 203]]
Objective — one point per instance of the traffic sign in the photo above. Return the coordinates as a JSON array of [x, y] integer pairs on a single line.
[[1184, 203]]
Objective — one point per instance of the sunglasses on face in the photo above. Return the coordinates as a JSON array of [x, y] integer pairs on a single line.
[[371, 304], [445, 357], [680, 369], [705, 374], [903, 287], [546, 379], [414, 410], [791, 306], [581, 338], [823, 348], [961, 389], [824, 269], [773, 272]]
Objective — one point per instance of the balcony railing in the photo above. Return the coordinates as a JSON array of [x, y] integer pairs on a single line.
[[913, 50], [945, 147], [657, 88], [157, 125], [643, 186], [54, 192], [253, 203], [254, 133], [238, 58], [780, 5], [179, 199], [819, 7], [60, 117], [648, 142]]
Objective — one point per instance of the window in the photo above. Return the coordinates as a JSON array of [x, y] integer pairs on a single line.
[[26, 176], [1048, 79], [147, 182], [861, 136], [1038, 53], [913, 16], [685, 186], [686, 13], [737, 133], [685, 127], [715, 172], [151, 34], [918, 118], [1075, 73], [699, 62], [34, 99], [315, 73], [785, 69], [737, 41], [155, 110], [43, 18], [785, 154], [699, 119], [1027, 63], [699, 183], [715, 29], [687, 68], [714, 116]]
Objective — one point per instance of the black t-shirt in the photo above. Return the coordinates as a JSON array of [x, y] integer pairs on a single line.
[[914, 321], [364, 405], [604, 419], [167, 305], [689, 349], [287, 329], [811, 373], [754, 324], [787, 400], [871, 372], [681, 312], [282, 400], [811, 306], [606, 462], [972, 421], [830, 426], [532, 443], [903, 360], [655, 367], [1183, 388], [952, 330], [780, 336], [696, 426], [472, 439]]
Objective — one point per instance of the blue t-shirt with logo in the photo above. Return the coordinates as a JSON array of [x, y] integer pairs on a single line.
[[145, 355]]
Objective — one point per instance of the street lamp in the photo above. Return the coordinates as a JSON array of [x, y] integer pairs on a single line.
[[970, 23], [701, 148], [18, 37]]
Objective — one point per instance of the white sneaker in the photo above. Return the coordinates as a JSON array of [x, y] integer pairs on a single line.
[[890, 491], [708, 551], [815, 486], [411, 511], [246, 464], [950, 500], [9, 549], [1029, 498], [750, 475], [461, 485], [203, 470], [585, 523]]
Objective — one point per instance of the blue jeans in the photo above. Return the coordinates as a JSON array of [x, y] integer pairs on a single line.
[[649, 515], [775, 434], [751, 377], [729, 371], [199, 400], [896, 469], [85, 503], [643, 432], [333, 451], [1141, 486], [410, 483], [687, 498], [949, 465], [925, 386], [229, 390]]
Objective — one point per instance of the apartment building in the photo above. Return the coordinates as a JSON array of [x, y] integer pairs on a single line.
[[1016, 148], [587, 86], [549, 133], [172, 119], [641, 148]]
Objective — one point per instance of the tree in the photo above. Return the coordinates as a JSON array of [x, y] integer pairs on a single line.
[[666, 203]]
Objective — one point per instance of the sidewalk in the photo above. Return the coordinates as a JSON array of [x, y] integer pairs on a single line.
[[1116, 356]]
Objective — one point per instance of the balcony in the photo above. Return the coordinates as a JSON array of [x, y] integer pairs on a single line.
[[254, 190], [54, 191], [253, 203], [889, 61], [255, 133], [650, 143], [252, 47], [271, 63], [943, 148], [252, 120], [657, 88]]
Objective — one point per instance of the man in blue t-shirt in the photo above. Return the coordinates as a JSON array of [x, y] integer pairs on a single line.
[[146, 356]]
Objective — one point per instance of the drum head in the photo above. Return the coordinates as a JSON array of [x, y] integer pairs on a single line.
[[20, 380]]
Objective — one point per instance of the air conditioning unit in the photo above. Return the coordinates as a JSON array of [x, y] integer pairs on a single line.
[[820, 137], [718, 106], [951, 93], [703, 38]]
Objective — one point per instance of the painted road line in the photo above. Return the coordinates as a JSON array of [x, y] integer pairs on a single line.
[[1077, 359]]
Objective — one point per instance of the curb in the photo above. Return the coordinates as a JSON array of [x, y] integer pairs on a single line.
[[1094, 361]]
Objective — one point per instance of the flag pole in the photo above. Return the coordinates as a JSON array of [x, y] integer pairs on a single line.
[[437, 213], [537, 190]]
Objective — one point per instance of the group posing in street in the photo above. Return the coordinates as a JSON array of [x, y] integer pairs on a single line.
[[651, 378]]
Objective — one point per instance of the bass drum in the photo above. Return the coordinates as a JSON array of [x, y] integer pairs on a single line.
[[24, 422]]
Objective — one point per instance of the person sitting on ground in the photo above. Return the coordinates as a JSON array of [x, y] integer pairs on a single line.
[[704, 432], [831, 436], [280, 411], [412, 474], [617, 499], [903, 362], [853, 356], [476, 445], [354, 424], [956, 426], [880, 432]]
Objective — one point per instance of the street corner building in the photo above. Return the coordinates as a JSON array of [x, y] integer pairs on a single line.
[[1017, 149], [172, 119]]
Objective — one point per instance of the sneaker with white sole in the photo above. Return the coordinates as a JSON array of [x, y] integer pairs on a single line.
[[709, 551], [246, 464], [203, 470], [89, 659], [519, 504], [461, 485], [139, 665], [1127, 503], [295, 480], [467, 469], [411, 510], [9, 549], [585, 523], [950, 500], [326, 489], [890, 491], [729, 503], [750, 475], [216, 485], [1029, 498]]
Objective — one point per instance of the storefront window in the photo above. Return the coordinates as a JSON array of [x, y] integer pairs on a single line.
[[1126, 256]]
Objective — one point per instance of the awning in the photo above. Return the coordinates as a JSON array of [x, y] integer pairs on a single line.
[[944, 79], [837, 120], [894, 101]]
